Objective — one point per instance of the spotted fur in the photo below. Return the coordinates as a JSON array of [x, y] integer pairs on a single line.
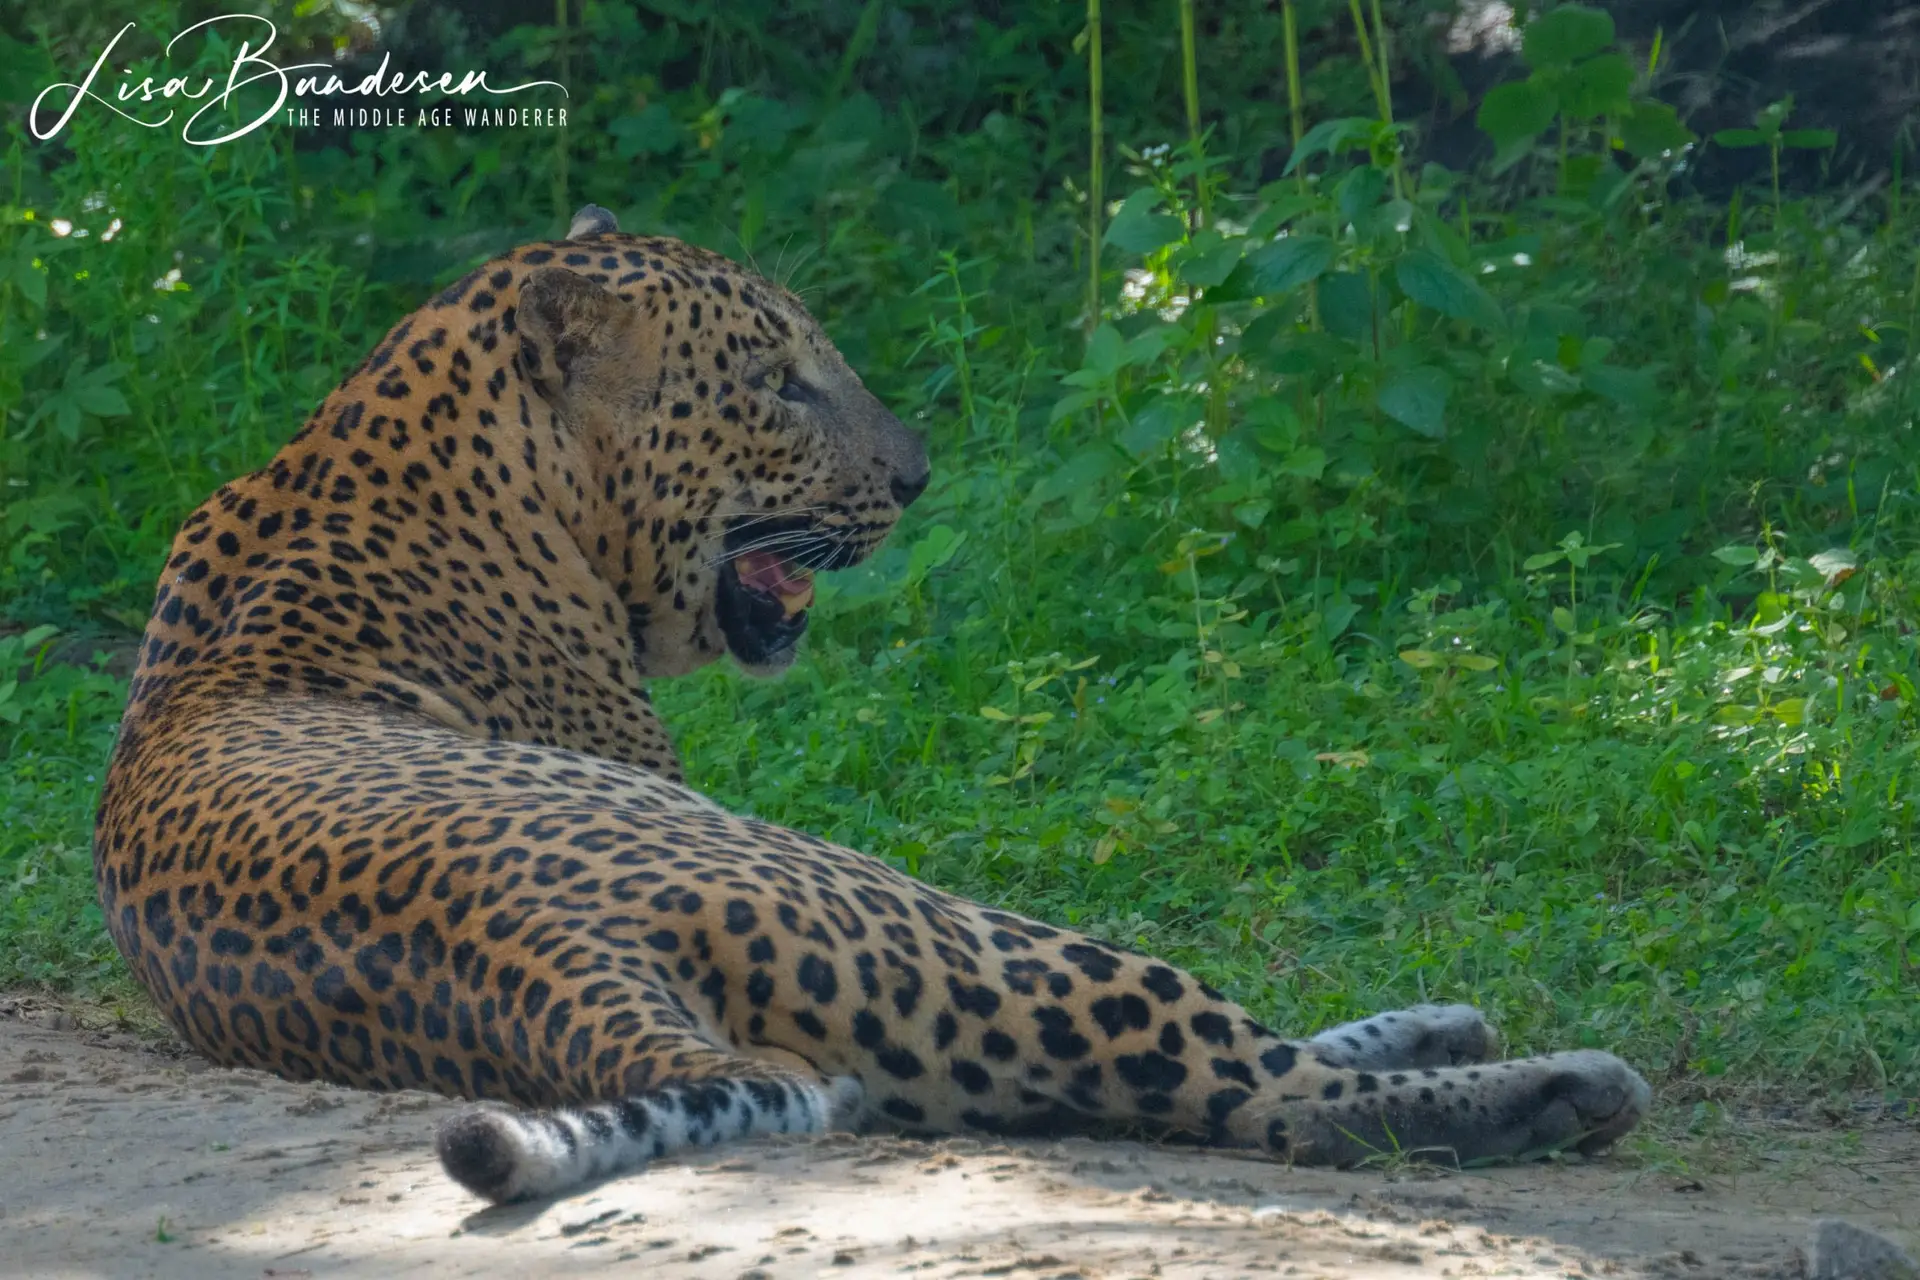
[[390, 808]]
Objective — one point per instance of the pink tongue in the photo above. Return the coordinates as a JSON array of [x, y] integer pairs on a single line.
[[767, 571]]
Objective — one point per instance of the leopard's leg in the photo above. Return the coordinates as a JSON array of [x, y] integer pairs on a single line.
[[1426, 1035], [1585, 1100], [707, 1095], [1122, 1037]]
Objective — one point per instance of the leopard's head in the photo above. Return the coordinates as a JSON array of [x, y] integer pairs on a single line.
[[721, 452]]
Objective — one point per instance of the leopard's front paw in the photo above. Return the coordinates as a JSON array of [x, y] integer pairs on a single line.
[[1427, 1035]]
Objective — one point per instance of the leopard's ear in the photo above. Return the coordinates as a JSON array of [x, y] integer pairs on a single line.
[[592, 220], [561, 316]]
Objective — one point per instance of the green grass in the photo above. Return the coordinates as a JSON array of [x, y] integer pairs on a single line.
[[57, 728], [1499, 588]]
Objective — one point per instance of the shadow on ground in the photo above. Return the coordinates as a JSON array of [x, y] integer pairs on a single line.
[[128, 1158]]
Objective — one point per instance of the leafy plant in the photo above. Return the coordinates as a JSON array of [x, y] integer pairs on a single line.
[[1769, 130], [1575, 78]]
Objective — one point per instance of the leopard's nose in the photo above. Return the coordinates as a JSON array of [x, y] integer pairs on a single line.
[[907, 488]]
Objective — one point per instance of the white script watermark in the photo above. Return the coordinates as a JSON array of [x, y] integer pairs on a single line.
[[251, 66]]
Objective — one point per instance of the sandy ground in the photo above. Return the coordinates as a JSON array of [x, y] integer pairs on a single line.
[[123, 1156]]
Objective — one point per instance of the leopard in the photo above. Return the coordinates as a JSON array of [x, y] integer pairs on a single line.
[[389, 806]]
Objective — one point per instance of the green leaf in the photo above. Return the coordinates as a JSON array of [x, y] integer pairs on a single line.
[[1146, 346], [1331, 137], [1289, 263], [1264, 329], [35, 352], [31, 281], [935, 548], [1252, 514], [1442, 238], [25, 69], [1106, 351], [651, 132], [1542, 379], [1210, 259], [1315, 356], [1417, 399], [1809, 139], [1391, 217], [1083, 472], [101, 401], [1512, 114], [1739, 138], [1652, 129], [1150, 429], [1541, 560], [1273, 422], [1434, 282], [1136, 228], [1346, 305], [1566, 35], [1601, 86], [1525, 363], [1336, 617], [1738, 556], [1285, 206], [1071, 403], [1629, 388], [758, 123], [910, 204], [1833, 564], [1308, 462], [1359, 191], [1238, 458]]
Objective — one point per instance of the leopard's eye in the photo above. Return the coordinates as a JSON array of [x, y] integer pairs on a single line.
[[789, 387]]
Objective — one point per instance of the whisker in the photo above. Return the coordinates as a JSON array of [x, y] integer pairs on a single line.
[[791, 538], [809, 546], [772, 540], [806, 257], [785, 513], [764, 535], [746, 252], [771, 543]]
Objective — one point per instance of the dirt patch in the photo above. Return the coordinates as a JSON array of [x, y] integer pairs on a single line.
[[129, 1157]]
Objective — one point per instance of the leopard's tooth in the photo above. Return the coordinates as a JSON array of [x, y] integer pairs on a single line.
[[799, 600]]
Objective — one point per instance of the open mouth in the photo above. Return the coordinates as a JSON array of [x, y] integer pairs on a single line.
[[766, 588], [771, 574]]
